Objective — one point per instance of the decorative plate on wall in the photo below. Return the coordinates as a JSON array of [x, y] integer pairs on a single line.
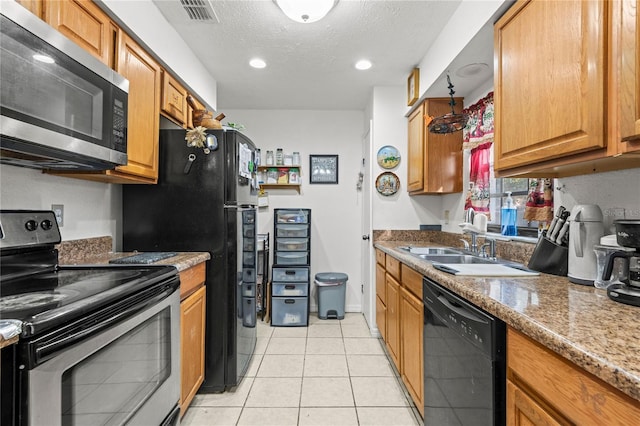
[[387, 183], [388, 157]]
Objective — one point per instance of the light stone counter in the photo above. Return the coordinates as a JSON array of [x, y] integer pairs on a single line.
[[580, 323]]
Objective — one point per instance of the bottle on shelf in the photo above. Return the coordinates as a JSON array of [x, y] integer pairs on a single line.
[[279, 157], [296, 158], [269, 159]]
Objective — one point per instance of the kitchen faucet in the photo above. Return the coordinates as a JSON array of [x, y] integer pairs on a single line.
[[491, 243], [474, 242]]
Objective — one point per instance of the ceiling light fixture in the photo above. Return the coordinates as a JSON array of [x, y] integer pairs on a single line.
[[257, 63], [363, 64], [306, 11]]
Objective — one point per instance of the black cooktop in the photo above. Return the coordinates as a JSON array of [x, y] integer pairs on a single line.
[[48, 298]]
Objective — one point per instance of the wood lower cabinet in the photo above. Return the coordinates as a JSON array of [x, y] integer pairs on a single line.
[[33, 6], [192, 333], [411, 338], [381, 301], [393, 320], [86, 24], [546, 389], [579, 109], [435, 160], [399, 317]]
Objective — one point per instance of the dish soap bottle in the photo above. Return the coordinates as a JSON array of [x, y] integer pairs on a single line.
[[508, 218]]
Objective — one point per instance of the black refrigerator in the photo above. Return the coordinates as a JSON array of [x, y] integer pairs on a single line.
[[206, 200]]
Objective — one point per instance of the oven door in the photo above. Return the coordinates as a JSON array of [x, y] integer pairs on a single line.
[[126, 374]]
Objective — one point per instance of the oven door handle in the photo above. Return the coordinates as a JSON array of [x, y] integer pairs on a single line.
[[49, 349]]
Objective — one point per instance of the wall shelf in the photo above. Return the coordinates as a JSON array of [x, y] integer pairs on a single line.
[[295, 186]]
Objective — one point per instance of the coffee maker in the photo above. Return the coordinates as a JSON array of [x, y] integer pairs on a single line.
[[627, 235]]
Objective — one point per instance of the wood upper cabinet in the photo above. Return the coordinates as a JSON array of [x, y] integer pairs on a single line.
[[192, 332], [84, 23], [144, 75], [393, 319], [625, 48], [435, 160], [174, 100], [411, 342], [546, 389], [565, 98]]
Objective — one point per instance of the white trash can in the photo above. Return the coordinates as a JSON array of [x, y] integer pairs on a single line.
[[331, 290]]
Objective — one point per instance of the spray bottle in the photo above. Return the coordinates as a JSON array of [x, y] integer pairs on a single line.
[[508, 218]]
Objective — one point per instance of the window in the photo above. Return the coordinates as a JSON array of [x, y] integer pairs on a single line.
[[519, 188]]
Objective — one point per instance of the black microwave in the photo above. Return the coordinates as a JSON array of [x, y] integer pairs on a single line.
[[60, 108]]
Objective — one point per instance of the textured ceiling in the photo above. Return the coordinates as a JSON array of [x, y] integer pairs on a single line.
[[310, 66]]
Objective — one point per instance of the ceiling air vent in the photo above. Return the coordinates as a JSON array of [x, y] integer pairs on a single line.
[[200, 10]]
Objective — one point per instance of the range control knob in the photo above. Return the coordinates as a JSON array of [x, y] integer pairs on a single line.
[[31, 225], [46, 224]]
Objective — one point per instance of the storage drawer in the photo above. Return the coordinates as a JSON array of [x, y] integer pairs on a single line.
[[289, 311], [292, 258], [292, 244], [292, 216], [393, 267], [380, 257], [299, 231], [248, 258], [291, 274], [411, 280], [249, 217], [249, 231], [248, 289], [290, 289]]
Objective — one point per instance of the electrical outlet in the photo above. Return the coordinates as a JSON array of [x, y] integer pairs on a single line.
[[446, 217], [58, 210]]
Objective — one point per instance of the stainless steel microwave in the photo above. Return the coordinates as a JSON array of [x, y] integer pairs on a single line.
[[60, 108]]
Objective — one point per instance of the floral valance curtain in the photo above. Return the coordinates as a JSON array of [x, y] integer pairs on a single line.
[[478, 137]]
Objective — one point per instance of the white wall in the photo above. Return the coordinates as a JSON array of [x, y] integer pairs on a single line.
[[91, 209], [335, 209], [398, 211]]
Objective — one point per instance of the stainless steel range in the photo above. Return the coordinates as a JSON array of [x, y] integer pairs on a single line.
[[99, 344]]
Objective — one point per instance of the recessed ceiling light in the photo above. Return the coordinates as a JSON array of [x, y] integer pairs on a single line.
[[473, 70], [257, 63], [363, 64], [44, 58]]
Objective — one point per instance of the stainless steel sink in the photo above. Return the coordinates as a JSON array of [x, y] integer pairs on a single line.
[[421, 251], [455, 258]]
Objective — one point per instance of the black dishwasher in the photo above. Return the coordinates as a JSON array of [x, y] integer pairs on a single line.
[[464, 361]]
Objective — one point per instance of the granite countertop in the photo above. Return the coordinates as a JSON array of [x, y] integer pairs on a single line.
[[97, 251], [580, 323], [182, 260]]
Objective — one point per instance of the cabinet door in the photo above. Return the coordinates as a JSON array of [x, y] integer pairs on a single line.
[[523, 410], [626, 21], [415, 150], [381, 318], [84, 23], [393, 320], [174, 99], [192, 326], [381, 301], [435, 160], [144, 76], [411, 327], [562, 68]]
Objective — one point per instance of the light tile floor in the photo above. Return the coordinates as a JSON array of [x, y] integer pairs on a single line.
[[331, 373]]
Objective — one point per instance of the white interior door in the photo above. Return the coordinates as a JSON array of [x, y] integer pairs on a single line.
[[368, 293]]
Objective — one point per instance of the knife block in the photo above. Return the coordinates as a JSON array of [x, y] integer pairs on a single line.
[[549, 258]]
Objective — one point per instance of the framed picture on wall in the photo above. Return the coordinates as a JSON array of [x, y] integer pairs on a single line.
[[324, 169], [413, 88]]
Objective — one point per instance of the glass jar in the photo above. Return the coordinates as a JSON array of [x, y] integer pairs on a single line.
[[279, 157], [258, 160], [269, 161], [296, 158]]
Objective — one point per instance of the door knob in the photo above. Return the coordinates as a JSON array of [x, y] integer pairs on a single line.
[[365, 237]]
